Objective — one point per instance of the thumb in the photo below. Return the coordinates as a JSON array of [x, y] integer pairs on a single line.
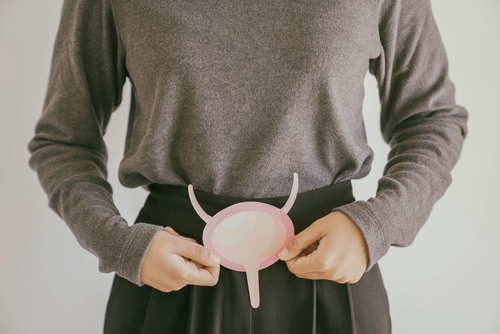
[[198, 253], [300, 242]]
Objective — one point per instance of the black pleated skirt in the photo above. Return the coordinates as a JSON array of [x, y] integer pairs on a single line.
[[288, 305]]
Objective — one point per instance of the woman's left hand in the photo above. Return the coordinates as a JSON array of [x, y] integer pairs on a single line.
[[332, 248]]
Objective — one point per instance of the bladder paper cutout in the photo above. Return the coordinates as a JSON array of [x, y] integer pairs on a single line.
[[248, 236]]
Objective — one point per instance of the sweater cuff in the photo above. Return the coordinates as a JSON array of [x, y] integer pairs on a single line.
[[370, 227], [135, 250]]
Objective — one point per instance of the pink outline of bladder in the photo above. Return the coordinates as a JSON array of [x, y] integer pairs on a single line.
[[248, 236]]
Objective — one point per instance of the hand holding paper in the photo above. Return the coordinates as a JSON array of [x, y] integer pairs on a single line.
[[332, 248], [173, 262]]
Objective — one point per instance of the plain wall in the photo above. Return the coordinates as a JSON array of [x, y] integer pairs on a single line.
[[448, 281]]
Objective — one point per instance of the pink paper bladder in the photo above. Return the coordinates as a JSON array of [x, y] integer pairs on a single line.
[[248, 236]]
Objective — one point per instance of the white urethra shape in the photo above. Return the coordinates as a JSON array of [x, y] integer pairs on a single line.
[[248, 236]]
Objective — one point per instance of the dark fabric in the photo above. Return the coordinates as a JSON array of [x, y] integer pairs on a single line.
[[288, 304]]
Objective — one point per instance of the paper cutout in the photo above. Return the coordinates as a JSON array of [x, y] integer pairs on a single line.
[[248, 236]]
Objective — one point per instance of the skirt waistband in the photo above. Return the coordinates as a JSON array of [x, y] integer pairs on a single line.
[[170, 206]]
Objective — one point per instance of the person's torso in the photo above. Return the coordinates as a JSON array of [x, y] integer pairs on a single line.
[[235, 96]]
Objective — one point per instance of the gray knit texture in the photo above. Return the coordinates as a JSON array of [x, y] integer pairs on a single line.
[[234, 97]]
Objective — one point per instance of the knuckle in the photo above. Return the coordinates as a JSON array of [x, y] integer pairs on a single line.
[[299, 275], [291, 267], [181, 275], [334, 275], [199, 252], [356, 278], [169, 287], [296, 242], [177, 287], [341, 280], [323, 265], [212, 282]]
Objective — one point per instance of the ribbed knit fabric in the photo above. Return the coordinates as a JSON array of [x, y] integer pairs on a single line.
[[234, 97]]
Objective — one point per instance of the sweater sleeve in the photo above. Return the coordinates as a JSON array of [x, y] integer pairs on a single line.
[[68, 152], [420, 121]]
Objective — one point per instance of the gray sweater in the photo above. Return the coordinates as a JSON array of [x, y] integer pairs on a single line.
[[234, 96]]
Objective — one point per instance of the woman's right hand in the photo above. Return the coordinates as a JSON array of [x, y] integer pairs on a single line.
[[173, 261]]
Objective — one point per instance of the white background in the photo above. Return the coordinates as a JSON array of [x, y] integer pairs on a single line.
[[448, 281]]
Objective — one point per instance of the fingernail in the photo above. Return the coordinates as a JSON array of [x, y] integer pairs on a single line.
[[283, 253], [214, 258]]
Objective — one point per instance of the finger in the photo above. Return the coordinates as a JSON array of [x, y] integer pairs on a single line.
[[341, 279], [305, 264], [310, 248], [311, 276], [307, 268], [300, 242], [206, 277], [199, 266], [323, 276], [310, 267], [214, 271], [193, 274], [171, 286], [198, 253], [170, 230], [191, 240]]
